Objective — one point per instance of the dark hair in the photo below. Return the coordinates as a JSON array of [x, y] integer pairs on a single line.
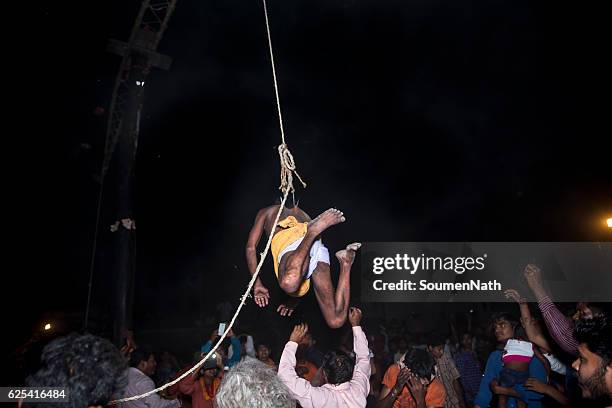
[[140, 354], [597, 335], [435, 339], [420, 362], [338, 367], [602, 307], [90, 368], [510, 318]]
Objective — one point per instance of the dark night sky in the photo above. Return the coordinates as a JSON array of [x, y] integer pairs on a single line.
[[422, 120]]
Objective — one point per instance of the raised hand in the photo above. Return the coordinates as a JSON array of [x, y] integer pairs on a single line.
[[402, 379], [514, 295], [416, 388], [354, 316], [298, 333], [533, 275]]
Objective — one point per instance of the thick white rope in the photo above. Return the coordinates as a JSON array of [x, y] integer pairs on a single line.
[[287, 169]]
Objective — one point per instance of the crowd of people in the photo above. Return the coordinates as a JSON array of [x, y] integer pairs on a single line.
[[541, 359]]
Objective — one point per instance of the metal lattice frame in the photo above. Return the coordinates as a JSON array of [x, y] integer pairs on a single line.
[[146, 34]]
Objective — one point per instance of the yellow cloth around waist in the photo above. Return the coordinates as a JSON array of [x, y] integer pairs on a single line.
[[292, 231]]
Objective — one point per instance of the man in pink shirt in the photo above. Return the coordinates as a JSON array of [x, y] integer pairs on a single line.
[[348, 382]]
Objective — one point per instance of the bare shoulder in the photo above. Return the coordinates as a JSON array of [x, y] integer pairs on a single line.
[[266, 211]]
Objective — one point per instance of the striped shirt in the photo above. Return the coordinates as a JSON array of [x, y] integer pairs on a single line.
[[447, 372], [469, 368], [560, 327]]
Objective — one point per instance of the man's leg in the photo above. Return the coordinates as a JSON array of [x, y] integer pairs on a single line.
[[334, 305], [293, 266]]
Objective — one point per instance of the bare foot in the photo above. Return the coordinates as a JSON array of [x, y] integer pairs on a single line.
[[347, 256], [326, 220], [287, 308]]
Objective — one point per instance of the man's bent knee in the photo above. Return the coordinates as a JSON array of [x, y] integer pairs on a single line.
[[336, 322], [290, 283]]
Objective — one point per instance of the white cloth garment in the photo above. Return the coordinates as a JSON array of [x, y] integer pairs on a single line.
[[318, 253]]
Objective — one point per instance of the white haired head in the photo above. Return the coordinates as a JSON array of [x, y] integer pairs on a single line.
[[253, 384]]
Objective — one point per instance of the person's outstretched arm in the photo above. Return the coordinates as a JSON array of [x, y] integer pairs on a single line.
[[491, 371], [533, 384], [260, 292], [236, 349], [533, 330], [307, 395], [560, 327], [362, 371]]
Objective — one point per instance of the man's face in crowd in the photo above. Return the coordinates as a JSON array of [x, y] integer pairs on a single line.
[[210, 373], [437, 351], [583, 311], [263, 352], [148, 367], [466, 341], [307, 340], [594, 377], [503, 330]]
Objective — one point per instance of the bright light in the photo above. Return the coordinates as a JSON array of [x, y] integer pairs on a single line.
[[48, 326], [609, 222]]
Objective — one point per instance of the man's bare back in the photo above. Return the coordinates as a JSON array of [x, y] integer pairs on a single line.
[[270, 216]]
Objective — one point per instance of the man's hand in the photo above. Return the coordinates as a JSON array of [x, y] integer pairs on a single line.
[[354, 316], [536, 385], [298, 332], [533, 275], [261, 294], [514, 295], [495, 387], [417, 390], [402, 379], [230, 333]]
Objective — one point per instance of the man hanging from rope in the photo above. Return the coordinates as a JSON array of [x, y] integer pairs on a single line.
[[299, 255]]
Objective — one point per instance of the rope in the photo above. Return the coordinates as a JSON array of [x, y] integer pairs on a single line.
[[287, 169], [280, 116]]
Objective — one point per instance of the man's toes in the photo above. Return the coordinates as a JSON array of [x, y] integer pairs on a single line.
[[354, 246]]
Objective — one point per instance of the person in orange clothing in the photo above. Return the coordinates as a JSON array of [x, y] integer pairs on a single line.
[[299, 255], [411, 383], [203, 384]]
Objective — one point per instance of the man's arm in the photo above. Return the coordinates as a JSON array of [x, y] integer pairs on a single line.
[[508, 391], [537, 370], [154, 400], [299, 387], [560, 327], [254, 236], [547, 389], [362, 371], [188, 384], [459, 392], [534, 332], [206, 347], [491, 370], [390, 391], [236, 350], [261, 293]]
